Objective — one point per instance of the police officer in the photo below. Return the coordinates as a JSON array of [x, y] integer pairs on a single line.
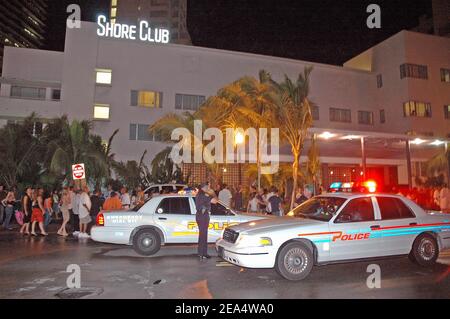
[[203, 202]]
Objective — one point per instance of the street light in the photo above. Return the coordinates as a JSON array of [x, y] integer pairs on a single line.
[[239, 139]]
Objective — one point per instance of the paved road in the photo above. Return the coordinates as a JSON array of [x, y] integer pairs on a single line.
[[36, 268]]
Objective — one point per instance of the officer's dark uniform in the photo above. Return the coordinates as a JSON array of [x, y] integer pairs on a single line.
[[203, 206]]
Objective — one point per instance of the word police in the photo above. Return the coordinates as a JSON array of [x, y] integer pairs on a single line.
[[124, 31]]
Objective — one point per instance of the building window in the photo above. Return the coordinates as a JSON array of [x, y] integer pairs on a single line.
[[28, 92], [447, 111], [315, 112], [413, 71], [139, 132], [419, 109], [379, 81], [340, 115], [149, 99], [188, 101], [382, 116], [113, 3], [101, 112], [445, 75], [103, 76], [56, 94], [365, 117]]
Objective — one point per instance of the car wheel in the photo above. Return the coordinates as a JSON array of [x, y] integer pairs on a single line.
[[146, 242], [425, 250], [294, 261]]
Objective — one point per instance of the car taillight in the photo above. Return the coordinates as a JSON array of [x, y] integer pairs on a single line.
[[100, 220]]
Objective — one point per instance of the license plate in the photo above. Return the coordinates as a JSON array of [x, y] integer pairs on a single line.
[[220, 252]]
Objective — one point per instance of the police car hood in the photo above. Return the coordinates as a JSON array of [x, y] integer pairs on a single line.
[[273, 224]]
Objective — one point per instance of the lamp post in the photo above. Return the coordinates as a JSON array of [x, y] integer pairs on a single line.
[[238, 140]]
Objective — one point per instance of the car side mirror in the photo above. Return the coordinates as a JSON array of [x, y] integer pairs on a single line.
[[160, 210]]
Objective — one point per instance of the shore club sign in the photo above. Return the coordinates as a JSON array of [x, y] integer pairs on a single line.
[[142, 32]]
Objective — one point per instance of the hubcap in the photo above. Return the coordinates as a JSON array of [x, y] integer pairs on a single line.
[[147, 242], [296, 260], [427, 249]]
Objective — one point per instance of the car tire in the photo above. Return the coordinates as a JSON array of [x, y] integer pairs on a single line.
[[294, 261], [425, 250], [146, 242]]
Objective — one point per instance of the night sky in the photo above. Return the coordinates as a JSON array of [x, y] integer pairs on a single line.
[[326, 31]]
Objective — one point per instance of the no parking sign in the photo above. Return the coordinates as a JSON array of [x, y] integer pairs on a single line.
[[78, 171]]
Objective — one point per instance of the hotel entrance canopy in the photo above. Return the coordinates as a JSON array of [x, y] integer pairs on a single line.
[[370, 148]]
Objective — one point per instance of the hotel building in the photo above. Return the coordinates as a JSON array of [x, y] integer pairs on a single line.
[[393, 99]]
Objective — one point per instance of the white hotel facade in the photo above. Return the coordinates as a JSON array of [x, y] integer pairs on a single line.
[[396, 91]]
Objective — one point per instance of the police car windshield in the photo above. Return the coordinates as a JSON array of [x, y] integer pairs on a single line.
[[319, 208]]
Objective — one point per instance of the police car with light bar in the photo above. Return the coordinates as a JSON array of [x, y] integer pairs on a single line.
[[164, 219], [337, 227]]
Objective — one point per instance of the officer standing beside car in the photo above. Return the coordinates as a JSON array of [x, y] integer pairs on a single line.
[[203, 202]]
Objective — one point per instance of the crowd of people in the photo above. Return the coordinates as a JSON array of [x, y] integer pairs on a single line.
[[76, 207], [431, 198]]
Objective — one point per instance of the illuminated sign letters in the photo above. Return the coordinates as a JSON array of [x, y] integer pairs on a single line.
[[143, 32]]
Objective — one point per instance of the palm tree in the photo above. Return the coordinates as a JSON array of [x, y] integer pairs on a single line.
[[75, 145], [440, 163], [313, 164], [19, 153], [293, 116]]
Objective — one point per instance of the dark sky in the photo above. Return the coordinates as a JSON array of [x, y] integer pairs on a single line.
[[327, 31]]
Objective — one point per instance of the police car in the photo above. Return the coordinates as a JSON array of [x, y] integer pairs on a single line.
[[337, 227], [164, 219]]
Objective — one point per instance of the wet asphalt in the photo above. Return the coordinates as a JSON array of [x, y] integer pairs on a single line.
[[36, 267]]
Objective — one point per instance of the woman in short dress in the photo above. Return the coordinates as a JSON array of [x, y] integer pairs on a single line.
[[65, 201], [37, 215], [27, 210]]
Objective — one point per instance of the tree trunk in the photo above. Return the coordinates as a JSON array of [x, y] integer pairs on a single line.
[[294, 177]]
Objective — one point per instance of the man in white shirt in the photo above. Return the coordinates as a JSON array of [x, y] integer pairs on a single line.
[[84, 208], [125, 198], [225, 195]]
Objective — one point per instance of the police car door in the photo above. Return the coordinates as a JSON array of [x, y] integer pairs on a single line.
[[220, 218], [397, 226], [173, 215], [351, 231]]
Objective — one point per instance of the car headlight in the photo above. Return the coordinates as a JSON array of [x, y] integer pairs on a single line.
[[252, 241]]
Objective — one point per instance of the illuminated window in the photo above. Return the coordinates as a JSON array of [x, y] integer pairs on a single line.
[[113, 3], [103, 76], [445, 75], [113, 21], [113, 12], [101, 111], [417, 109], [149, 99]]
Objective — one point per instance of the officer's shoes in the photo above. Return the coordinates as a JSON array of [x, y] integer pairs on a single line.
[[205, 257]]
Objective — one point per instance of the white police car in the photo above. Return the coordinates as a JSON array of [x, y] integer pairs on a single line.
[[163, 219], [335, 228]]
